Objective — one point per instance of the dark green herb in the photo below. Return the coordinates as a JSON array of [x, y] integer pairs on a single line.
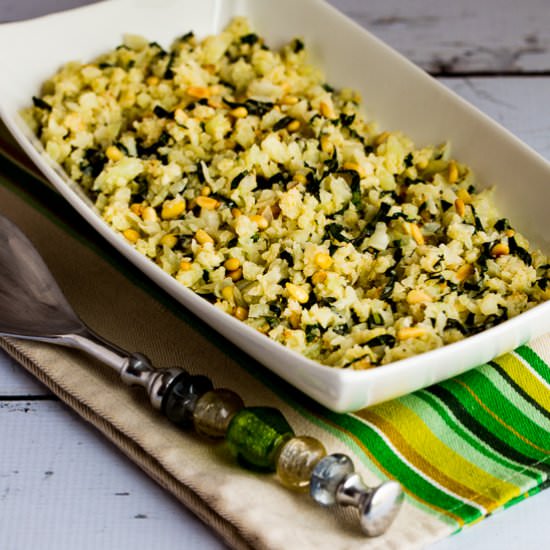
[[274, 308], [200, 173], [331, 164], [375, 319], [162, 113], [254, 107], [238, 178], [282, 123], [122, 147], [40, 103], [346, 120], [313, 332], [477, 222], [543, 283], [328, 88], [382, 340], [105, 65], [152, 149], [168, 72], [187, 36], [334, 231], [502, 225], [272, 321], [445, 205], [255, 238], [342, 330], [96, 161], [297, 45], [408, 160], [250, 39], [455, 324], [519, 251], [287, 257]]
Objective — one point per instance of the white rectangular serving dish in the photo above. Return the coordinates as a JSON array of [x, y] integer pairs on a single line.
[[396, 94]]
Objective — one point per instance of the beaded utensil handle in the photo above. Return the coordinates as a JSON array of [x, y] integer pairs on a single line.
[[33, 307]]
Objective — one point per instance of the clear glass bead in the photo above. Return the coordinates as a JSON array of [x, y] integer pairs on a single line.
[[327, 476], [255, 436], [214, 411], [297, 459]]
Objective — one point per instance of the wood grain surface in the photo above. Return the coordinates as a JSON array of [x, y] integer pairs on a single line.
[[62, 486]]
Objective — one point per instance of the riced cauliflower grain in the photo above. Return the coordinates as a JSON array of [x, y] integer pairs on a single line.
[[250, 180]]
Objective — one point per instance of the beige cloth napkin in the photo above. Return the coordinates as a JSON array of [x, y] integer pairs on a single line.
[[247, 510]]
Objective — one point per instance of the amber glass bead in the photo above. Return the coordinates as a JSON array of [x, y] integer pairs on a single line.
[[181, 397], [255, 435], [297, 459], [214, 411]]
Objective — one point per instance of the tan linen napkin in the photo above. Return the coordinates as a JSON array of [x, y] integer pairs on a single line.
[[247, 510]]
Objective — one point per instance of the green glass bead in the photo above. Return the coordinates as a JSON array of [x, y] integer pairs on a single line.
[[214, 411], [256, 434], [297, 459]]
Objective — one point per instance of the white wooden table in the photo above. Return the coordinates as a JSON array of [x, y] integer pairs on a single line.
[[62, 486]]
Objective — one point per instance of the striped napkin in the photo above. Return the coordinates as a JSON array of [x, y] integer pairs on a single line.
[[461, 449]]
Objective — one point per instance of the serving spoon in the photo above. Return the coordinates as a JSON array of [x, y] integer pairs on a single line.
[[33, 307]]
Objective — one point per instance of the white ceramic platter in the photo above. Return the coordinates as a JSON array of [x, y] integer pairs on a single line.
[[396, 93]]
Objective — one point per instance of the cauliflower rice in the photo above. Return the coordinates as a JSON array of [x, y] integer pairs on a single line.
[[244, 175]]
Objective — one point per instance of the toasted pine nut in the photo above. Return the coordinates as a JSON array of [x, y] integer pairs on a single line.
[[185, 265], [228, 293], [293, 126], [208, 203], [235, 212], [319, 277], [464, 195], [173, 209], [199, 92], [323, 260], [152, 80], [355, 167], [137, 208], [239, 112], [289, 100], [326, 110], [131, 235], [169, 240], [416, 296], [500, 249], [460, 207], [452, 175], [202, 237], [241, 313], [231, 264], [260, 221], [410, 332], [294, 320], [298, 293], [236, 275], [113, 153], [464, 271], [416, 234]]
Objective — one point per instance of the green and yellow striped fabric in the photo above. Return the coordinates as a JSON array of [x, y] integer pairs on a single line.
[[461, 449], [466, 447]]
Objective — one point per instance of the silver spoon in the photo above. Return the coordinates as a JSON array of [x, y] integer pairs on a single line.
[[33, 307]]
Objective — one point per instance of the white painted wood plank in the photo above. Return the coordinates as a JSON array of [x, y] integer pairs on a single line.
[[520, 104], [63, 486], [15, 380], [460, 36], [438, 35]]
